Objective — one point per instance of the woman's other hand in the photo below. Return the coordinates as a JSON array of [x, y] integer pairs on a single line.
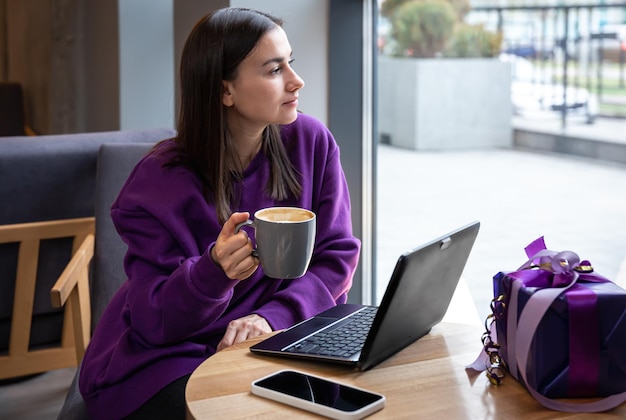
[[242, 329], [233, 251]]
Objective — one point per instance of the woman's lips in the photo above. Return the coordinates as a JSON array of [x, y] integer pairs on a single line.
[[293, 102]]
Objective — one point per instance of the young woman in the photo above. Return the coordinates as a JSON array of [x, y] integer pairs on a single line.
[[193, 286]]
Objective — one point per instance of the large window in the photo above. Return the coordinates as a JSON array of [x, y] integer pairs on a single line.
[[542, 178]]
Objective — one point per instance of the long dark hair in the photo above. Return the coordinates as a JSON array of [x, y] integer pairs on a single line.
[[216, 46]]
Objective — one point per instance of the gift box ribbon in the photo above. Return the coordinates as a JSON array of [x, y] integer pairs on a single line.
[[559, 270]]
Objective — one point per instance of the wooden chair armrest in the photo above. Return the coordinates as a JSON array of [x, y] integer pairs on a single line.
[[70, 276]]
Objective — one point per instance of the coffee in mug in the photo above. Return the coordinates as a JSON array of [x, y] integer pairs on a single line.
[[285, 238]]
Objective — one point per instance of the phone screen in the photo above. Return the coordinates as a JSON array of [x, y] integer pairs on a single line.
[[319, 391]]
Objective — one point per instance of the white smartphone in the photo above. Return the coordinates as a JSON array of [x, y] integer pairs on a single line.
[[319, 395]]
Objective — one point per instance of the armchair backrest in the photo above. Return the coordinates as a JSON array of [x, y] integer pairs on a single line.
[[115, 162]]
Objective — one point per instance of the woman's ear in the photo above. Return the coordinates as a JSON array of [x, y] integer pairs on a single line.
[[227, 97]]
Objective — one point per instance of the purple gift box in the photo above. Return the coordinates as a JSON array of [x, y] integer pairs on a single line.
[[562, 324]]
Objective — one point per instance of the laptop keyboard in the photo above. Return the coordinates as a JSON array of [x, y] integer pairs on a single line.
[[340, 341]]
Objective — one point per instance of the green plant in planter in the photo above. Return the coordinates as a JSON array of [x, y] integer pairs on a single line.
[[473, 41], [389, 7], [431, 28], [422, 28]]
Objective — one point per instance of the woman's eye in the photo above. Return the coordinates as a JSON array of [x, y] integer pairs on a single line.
[[278, 69]]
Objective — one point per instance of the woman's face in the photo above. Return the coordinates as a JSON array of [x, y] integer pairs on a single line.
[[265, 90]]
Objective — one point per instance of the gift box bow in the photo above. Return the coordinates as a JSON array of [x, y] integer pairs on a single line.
[[553, 274], [556, 269]]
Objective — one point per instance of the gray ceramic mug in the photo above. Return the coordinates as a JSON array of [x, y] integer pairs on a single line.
[[285, 237]]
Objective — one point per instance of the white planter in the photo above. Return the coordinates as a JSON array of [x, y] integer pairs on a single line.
[[434, 104]]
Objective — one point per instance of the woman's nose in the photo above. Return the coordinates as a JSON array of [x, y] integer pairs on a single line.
[[295, 82]]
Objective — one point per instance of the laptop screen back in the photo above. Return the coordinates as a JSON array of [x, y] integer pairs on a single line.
[[418, 294]]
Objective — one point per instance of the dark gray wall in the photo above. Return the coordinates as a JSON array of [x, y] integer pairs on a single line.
[[101, 66], [348, 96], [186, 15]]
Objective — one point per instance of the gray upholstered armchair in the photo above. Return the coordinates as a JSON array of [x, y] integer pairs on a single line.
[[48, 195]]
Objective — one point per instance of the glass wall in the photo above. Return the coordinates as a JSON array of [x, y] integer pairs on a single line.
[[549, 161]]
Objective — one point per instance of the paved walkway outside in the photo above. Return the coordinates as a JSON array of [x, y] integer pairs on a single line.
[[578, 204]]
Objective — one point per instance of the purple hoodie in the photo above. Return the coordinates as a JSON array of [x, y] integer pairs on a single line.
[[173, 310]]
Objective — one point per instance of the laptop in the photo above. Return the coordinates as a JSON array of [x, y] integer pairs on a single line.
[[417, 297]]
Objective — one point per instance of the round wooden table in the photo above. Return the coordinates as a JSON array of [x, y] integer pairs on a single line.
[[425, 380]]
